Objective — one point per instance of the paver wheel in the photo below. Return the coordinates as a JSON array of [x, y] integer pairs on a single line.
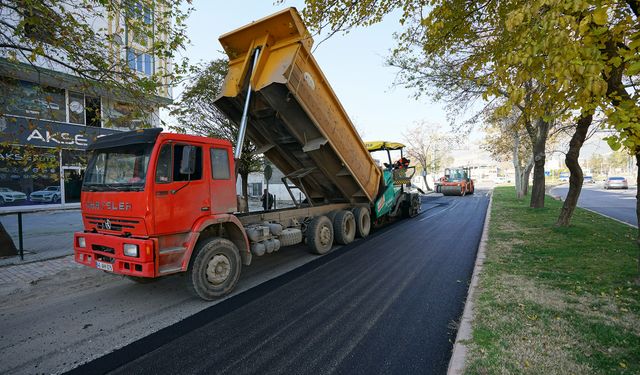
[[214, 268], [363, 221], [344, 227], [320, 235]]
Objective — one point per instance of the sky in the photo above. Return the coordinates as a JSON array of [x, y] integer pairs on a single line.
[[353, 64]]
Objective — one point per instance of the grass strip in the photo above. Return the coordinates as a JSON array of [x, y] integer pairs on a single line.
[[555, 300]]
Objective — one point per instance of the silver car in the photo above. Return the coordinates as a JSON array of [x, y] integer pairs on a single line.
[[50, 194], [9, 196], [616, 183]]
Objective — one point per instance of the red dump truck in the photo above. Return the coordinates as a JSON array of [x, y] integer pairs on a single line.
[[156, 204]]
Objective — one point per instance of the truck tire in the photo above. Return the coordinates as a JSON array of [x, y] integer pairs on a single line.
[[363, 221], [214, 268], [290, 236], [320, 235], [344, 227]]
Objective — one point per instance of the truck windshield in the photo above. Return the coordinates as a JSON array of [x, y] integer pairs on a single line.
[[119, 168]]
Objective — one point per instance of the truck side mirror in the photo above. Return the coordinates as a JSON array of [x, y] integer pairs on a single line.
[[188, 162]]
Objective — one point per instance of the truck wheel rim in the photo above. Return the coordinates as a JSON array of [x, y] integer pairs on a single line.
[[325, 236], [218, 269]]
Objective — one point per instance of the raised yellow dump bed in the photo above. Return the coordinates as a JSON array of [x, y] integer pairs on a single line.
[[295, 118]]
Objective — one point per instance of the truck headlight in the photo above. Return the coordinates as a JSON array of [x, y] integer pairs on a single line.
[[82, 242], [130, 250]]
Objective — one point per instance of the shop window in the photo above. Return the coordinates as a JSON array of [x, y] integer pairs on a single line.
[[220, 164], [22, 98], [76, 108], [29, 175], [127, 115], [93, 111], [74, 158]]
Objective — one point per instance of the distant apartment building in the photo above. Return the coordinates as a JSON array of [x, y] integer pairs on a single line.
[[48, 115]]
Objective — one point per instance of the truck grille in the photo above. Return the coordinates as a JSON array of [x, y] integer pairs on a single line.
[[104, 249], [113, 224]]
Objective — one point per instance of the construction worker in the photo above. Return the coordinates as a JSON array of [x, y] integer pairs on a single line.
[[267, 200]]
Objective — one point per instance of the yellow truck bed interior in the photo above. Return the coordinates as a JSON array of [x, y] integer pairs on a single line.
[[295, 118]]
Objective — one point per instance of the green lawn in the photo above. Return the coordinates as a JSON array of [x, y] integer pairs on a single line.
[[555, 300]]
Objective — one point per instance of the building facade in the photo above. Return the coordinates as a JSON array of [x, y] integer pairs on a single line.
[[48, 116]]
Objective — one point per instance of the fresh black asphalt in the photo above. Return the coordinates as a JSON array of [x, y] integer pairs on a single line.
[[619, 204], [385, 305]]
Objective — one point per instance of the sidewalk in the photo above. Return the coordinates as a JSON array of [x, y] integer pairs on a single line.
[[33, 271], [46, 235]]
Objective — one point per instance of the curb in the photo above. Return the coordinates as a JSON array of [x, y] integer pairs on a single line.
[[609, 217], [457, 361], [559, 197]]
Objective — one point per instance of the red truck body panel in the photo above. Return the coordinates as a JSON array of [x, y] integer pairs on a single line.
[[164, 220]]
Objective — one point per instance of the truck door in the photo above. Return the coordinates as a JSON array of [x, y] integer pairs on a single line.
[[179, 199], [223, 187]]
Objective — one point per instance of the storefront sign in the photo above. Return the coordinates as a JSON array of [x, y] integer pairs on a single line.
[[24, 131]]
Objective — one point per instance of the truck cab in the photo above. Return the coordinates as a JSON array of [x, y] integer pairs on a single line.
[[147, 197]]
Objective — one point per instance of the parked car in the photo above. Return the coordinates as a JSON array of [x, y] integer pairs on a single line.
[[589, 180], [50, 194], [9, 196], [564, 177], [616, 183]]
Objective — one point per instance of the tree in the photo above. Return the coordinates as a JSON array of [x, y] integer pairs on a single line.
[[459, 51], [596, 162], [425, 145], [62, 34], [564, 58], [618, 160], [196, 113], [594, 48], [506, 139]]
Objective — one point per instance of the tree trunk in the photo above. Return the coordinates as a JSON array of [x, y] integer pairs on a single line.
[[426, 184], [525, 177], [245, 187], [539, 140], [576, 177], [516, 165], [518, 176]]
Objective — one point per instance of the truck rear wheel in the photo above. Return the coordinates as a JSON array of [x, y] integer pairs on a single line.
[[344, 227], [363, 221], [214, 268], [320, 235]]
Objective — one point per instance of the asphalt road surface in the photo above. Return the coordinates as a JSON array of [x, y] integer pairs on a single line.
[[619, 204], [386, 305]]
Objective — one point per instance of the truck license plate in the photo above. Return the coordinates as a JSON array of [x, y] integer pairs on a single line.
[[104, 266]]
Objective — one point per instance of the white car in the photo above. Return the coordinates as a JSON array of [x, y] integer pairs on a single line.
[[9, 196], [50, 194], [616, 183]]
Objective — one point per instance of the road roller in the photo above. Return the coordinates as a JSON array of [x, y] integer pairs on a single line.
[[456, 181]]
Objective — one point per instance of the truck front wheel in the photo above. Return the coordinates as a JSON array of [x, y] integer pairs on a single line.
[[320, 235], [214, 268]]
